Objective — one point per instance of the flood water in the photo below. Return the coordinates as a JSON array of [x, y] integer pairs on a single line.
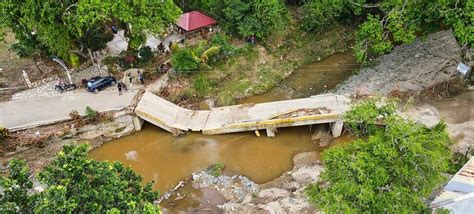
[[157, 155], [312, 79]]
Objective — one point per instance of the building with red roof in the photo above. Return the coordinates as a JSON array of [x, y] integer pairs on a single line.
[[195, 20]]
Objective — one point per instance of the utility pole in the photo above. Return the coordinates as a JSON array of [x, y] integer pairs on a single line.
[[56, 59]]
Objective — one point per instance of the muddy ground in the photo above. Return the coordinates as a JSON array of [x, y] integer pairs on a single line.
[[38, 146], [11, 67], [409, 68]]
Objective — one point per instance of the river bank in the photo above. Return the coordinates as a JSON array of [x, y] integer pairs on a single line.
[[39, 145], [285, 193], [409, 69], [260, 68]]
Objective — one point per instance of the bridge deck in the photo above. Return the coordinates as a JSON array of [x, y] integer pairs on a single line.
[[314, 110]]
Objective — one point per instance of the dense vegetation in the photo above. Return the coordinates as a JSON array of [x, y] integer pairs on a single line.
[[392, 168], [72, 27], [76, 184], [389, 22], [245, 18], [67, 28]]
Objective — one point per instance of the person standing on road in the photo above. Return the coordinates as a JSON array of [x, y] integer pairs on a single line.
[[130, 78], [124, 87], [140, 77], [119, 87]]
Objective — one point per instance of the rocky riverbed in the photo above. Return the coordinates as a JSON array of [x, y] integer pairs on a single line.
[[238, 194], [409, 68], [284, 194]]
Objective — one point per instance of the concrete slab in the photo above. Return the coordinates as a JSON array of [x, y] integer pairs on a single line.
[[314, 110]]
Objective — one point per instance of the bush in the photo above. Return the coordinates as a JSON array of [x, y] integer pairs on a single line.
[[91, 114], [367, 117], [110, 60], [225, 98], [127, 59], [184, 62], [216, 169], [392, 170], [201, 85], [3, 134], [223, 41], [145, 55], [74, 60], [76, 118], [458, 160]]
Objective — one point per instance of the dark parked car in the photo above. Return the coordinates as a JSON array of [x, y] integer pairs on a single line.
[[96, 84]]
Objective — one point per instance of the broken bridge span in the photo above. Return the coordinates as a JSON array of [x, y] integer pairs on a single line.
[[320, 109]]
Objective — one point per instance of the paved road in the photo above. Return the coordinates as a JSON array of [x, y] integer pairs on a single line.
[[20, 114]]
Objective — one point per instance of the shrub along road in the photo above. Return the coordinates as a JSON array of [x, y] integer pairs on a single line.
[[19, 114]]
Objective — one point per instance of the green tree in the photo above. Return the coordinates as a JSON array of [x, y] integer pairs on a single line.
[[370, 39], [92, 185], [402, 21], [264, 18], [16, 184], [319, 14], [249, 17], [76, 184], [73, 26], [391, 170], [389, 22]]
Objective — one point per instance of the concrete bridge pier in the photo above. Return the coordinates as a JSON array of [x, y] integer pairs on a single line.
[[336, 128], [271, 132], [137, 123]]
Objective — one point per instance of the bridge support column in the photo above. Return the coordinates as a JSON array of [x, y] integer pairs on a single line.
[[137, 123], [336, 128], [271, 132]]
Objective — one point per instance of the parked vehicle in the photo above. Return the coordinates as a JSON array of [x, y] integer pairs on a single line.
[[96, 84], [62, 87]]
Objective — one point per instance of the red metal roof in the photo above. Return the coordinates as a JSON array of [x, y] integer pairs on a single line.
[[194, 20]]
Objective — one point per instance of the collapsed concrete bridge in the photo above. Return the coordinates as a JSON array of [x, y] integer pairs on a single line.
[[321, 109]]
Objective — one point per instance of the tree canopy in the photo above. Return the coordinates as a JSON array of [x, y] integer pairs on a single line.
[[391, 169], [389, 22], [76, 184], [245, 17], [64, 27]]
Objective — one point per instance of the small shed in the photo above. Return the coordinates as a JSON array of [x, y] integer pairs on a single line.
[[194, 22]]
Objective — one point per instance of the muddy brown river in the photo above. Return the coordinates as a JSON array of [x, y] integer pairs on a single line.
[[157, 155]]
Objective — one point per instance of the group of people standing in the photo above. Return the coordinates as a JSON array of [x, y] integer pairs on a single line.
[[121, 86]]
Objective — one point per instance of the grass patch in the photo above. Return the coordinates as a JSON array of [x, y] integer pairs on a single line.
[[216, 169]]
